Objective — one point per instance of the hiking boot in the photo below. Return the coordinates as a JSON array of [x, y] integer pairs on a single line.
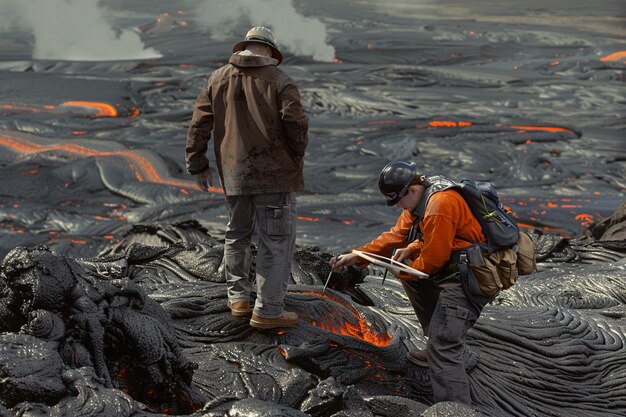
[[240, 308], [287, 319], [418, 357]]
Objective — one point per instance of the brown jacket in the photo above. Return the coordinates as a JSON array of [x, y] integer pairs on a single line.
[[258, 124]]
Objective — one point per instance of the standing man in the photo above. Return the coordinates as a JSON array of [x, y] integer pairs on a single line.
[[260, 134], [435, 225]]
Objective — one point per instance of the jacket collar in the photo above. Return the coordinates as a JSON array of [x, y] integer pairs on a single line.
[[251, 61], [433, 185]]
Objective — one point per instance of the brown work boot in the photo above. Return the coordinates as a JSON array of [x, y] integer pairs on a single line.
[[287, 319], [240, 308], [418, 357]]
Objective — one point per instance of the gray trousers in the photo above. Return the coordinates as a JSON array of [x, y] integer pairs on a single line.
[[274, 218], [446, 311]]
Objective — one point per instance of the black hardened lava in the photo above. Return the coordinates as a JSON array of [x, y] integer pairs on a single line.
[[144, 330], [95, 320]]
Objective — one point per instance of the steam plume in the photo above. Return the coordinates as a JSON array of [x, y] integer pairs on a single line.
[[73, 30], [300, 35]]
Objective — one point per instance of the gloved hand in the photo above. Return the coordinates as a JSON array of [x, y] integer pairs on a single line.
[[205, 180]]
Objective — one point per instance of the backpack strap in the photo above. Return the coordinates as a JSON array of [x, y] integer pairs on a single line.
[[433, 185], [414, 232]]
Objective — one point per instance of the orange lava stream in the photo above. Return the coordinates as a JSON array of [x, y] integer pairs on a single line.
[[572, 204], [104, 110], [142, 167], [317, 219], [355, 326], [134, 112], [448, 123], [585, 219], [541, 128], [25, 107], [308, 219], [19, 107], [614, 56]]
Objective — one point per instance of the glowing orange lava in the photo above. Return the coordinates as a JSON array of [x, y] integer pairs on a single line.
[[353, 326], [574, 206], [308, 219], [142, 168], [614, 56], [104, 110], [541, 128], [317, 219], [25, 107], [585, 219], [134, 112], [448, 123]]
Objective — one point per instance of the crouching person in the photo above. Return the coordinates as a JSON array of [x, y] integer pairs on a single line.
[[434, 226]]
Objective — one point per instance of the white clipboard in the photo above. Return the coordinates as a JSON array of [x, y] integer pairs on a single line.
[[389, 263]]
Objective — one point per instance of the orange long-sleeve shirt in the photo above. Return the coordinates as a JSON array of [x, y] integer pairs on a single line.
[[448, 225]]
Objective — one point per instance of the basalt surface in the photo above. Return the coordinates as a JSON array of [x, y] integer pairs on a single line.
[[124, 312], [144, 330]]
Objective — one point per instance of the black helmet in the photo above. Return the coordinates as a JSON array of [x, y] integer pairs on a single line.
[[395, 180]]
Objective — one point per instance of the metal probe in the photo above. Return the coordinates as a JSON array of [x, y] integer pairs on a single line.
[[393, 252], [327, 280]]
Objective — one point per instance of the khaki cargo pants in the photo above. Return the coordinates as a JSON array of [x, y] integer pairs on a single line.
[[273, 217]]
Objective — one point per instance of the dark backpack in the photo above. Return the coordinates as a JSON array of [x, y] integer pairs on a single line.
[[506, 252], [499, 227]]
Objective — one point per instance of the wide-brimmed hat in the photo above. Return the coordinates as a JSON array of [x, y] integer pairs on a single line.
[[260, 34]]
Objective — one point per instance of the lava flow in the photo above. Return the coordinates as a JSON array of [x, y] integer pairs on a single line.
[[352, 325], [91, 109], [141, 166], [103, 109], [614, 56]]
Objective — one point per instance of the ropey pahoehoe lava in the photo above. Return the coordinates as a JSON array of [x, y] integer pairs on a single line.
[[112, 297], [147, 326]]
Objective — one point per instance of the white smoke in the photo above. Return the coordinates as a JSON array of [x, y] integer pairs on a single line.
[[300, 35], [72, 30]]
